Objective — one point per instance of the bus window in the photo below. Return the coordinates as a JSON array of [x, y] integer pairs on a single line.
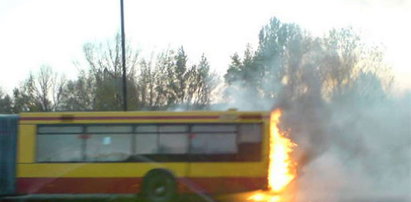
[[108, 142], [108, 147], [59, 129], [58, 143], [146, 129], [58, 148], [226, 142], [250, 141], [214, 144], [173, 139], [250, 133], [201, 128], [109, 129], [173, 143], [161, 142], [173, 128], [214, 139], [146, 143]]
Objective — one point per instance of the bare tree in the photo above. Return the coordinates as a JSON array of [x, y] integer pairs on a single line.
[[105, 70], [40, 92]]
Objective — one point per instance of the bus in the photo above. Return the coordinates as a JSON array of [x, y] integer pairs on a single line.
[[155, 154]]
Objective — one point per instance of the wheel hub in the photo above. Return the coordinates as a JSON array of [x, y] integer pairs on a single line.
[[160, 190]]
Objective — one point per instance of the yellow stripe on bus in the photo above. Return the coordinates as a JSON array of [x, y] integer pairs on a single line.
[[234, 169], [228, 169]]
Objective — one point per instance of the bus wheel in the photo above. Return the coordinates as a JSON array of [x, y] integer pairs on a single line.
[[159, 186]]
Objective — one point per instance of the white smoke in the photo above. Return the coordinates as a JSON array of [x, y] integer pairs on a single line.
[[356, 152], [356, 149]]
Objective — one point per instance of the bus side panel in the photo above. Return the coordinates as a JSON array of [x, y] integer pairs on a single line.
[[130, 185], [8, 137]]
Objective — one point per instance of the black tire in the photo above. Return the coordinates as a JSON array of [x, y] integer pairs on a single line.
[[159, 186]]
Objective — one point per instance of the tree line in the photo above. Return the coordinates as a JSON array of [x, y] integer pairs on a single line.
[[289, 65], [163, 83]]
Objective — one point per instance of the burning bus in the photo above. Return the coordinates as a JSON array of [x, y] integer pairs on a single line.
[[157, 154]]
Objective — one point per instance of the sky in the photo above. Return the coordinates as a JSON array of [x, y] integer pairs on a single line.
[[48, 32]]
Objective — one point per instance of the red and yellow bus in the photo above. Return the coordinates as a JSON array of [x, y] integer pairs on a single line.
[[154, 153]]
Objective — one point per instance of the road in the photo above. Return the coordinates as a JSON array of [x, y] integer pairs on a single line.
[[257, 196]]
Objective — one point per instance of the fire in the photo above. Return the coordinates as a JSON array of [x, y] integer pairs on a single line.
[[282, 168], [265, 198]]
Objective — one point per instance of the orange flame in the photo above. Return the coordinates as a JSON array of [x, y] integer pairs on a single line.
[[281, 169], [264, 197]]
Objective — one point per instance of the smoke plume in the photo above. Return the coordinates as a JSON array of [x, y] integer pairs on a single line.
[[353, 151]]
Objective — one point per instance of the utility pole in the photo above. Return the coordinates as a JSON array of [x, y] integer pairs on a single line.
[[123, 57]]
